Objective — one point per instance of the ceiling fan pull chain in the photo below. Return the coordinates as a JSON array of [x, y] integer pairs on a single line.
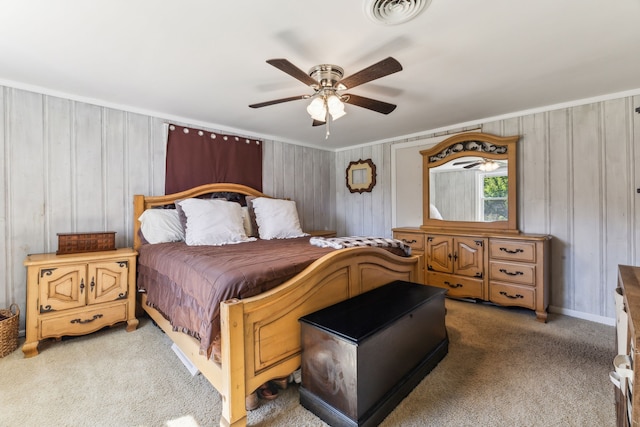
[[327, 126]]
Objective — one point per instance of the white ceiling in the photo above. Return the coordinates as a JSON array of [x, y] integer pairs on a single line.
[[204, 61]]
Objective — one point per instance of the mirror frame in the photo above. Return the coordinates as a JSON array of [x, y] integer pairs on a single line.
[[370, 176], [458, 146]]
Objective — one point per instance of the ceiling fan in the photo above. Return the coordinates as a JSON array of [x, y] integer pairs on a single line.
[[327, 82], [486, 165]]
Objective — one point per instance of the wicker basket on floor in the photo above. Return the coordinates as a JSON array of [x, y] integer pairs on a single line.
[[9, 319]]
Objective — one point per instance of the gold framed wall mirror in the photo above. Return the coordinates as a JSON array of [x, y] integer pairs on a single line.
[[361, 176], [469, 182]]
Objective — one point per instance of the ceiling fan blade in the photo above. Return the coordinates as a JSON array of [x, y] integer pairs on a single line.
[[464, 163], [371, 104], [375, 71], [318, 123], [278, 101], [295, 72], [473, 165]]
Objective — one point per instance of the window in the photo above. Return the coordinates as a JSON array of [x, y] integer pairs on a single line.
[[493, 196]]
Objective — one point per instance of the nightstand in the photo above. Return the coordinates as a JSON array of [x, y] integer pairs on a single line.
[[77, 294]]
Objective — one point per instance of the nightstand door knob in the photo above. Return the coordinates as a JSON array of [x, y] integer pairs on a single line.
[[81, 285], [93, 284]]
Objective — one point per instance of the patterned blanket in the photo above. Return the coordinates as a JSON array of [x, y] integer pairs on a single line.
[[353, 241]]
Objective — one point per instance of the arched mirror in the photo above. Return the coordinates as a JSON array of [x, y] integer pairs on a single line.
[[469, 182]]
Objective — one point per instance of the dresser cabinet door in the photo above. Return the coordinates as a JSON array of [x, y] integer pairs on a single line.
[[62, 288], [440, 254], [107, 281], [469, 257]]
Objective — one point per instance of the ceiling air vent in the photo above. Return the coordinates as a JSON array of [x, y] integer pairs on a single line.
[[392, 12]]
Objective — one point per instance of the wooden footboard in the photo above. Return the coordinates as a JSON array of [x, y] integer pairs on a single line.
[[261, 335]]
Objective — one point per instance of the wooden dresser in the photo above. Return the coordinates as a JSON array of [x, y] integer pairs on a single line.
[[505, 268], [78, 293], [628, 341]]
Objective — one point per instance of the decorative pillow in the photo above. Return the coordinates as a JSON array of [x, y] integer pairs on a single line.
[[277, 219], [161, 225], [246, 221], [183, 217], [252, 216], [213, 222]]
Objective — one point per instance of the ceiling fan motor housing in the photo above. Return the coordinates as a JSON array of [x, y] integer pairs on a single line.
[[327, 75]]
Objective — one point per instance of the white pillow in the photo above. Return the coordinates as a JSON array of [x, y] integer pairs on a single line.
[[161, 225], [213, 222], [277, 219]]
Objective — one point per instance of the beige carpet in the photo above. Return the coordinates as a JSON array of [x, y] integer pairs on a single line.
[[503, 369]]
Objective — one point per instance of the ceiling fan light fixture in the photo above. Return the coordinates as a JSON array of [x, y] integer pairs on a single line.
[[337, 114], [489, 166], [317, 109], [322, 104], [335, 107]]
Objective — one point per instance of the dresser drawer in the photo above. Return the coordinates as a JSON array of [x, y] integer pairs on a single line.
[[457, 286], [512, 250], [512, 272], [82, 322], [415, 240], [504, 294]]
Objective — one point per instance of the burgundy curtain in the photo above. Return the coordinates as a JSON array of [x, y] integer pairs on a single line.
[[196, 157]]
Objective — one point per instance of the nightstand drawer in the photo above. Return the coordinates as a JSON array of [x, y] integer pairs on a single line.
[[512, 272], [512, 250], [82, 322], [416, 241]]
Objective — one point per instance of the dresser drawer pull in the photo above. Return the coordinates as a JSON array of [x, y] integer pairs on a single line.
[[509, 251], [509, 273], [97, 316], [409, 242], [457, 285], [516, 296]]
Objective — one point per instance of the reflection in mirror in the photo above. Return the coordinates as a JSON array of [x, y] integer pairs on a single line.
[[469, 189]]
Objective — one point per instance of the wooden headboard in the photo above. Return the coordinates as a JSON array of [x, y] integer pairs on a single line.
[[142, 202]]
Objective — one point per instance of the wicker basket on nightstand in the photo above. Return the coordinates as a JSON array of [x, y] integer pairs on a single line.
[[9, 319]]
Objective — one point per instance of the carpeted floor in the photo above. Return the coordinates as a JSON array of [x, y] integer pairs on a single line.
[[503, 369]]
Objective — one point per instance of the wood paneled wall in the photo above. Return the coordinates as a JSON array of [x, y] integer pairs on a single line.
[[69, 166], [578, 175], [72, 166]]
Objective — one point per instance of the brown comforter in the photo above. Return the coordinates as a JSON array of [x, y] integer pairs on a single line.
[[188, 283]]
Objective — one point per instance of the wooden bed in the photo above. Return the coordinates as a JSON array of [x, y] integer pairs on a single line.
[[260, 336]]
